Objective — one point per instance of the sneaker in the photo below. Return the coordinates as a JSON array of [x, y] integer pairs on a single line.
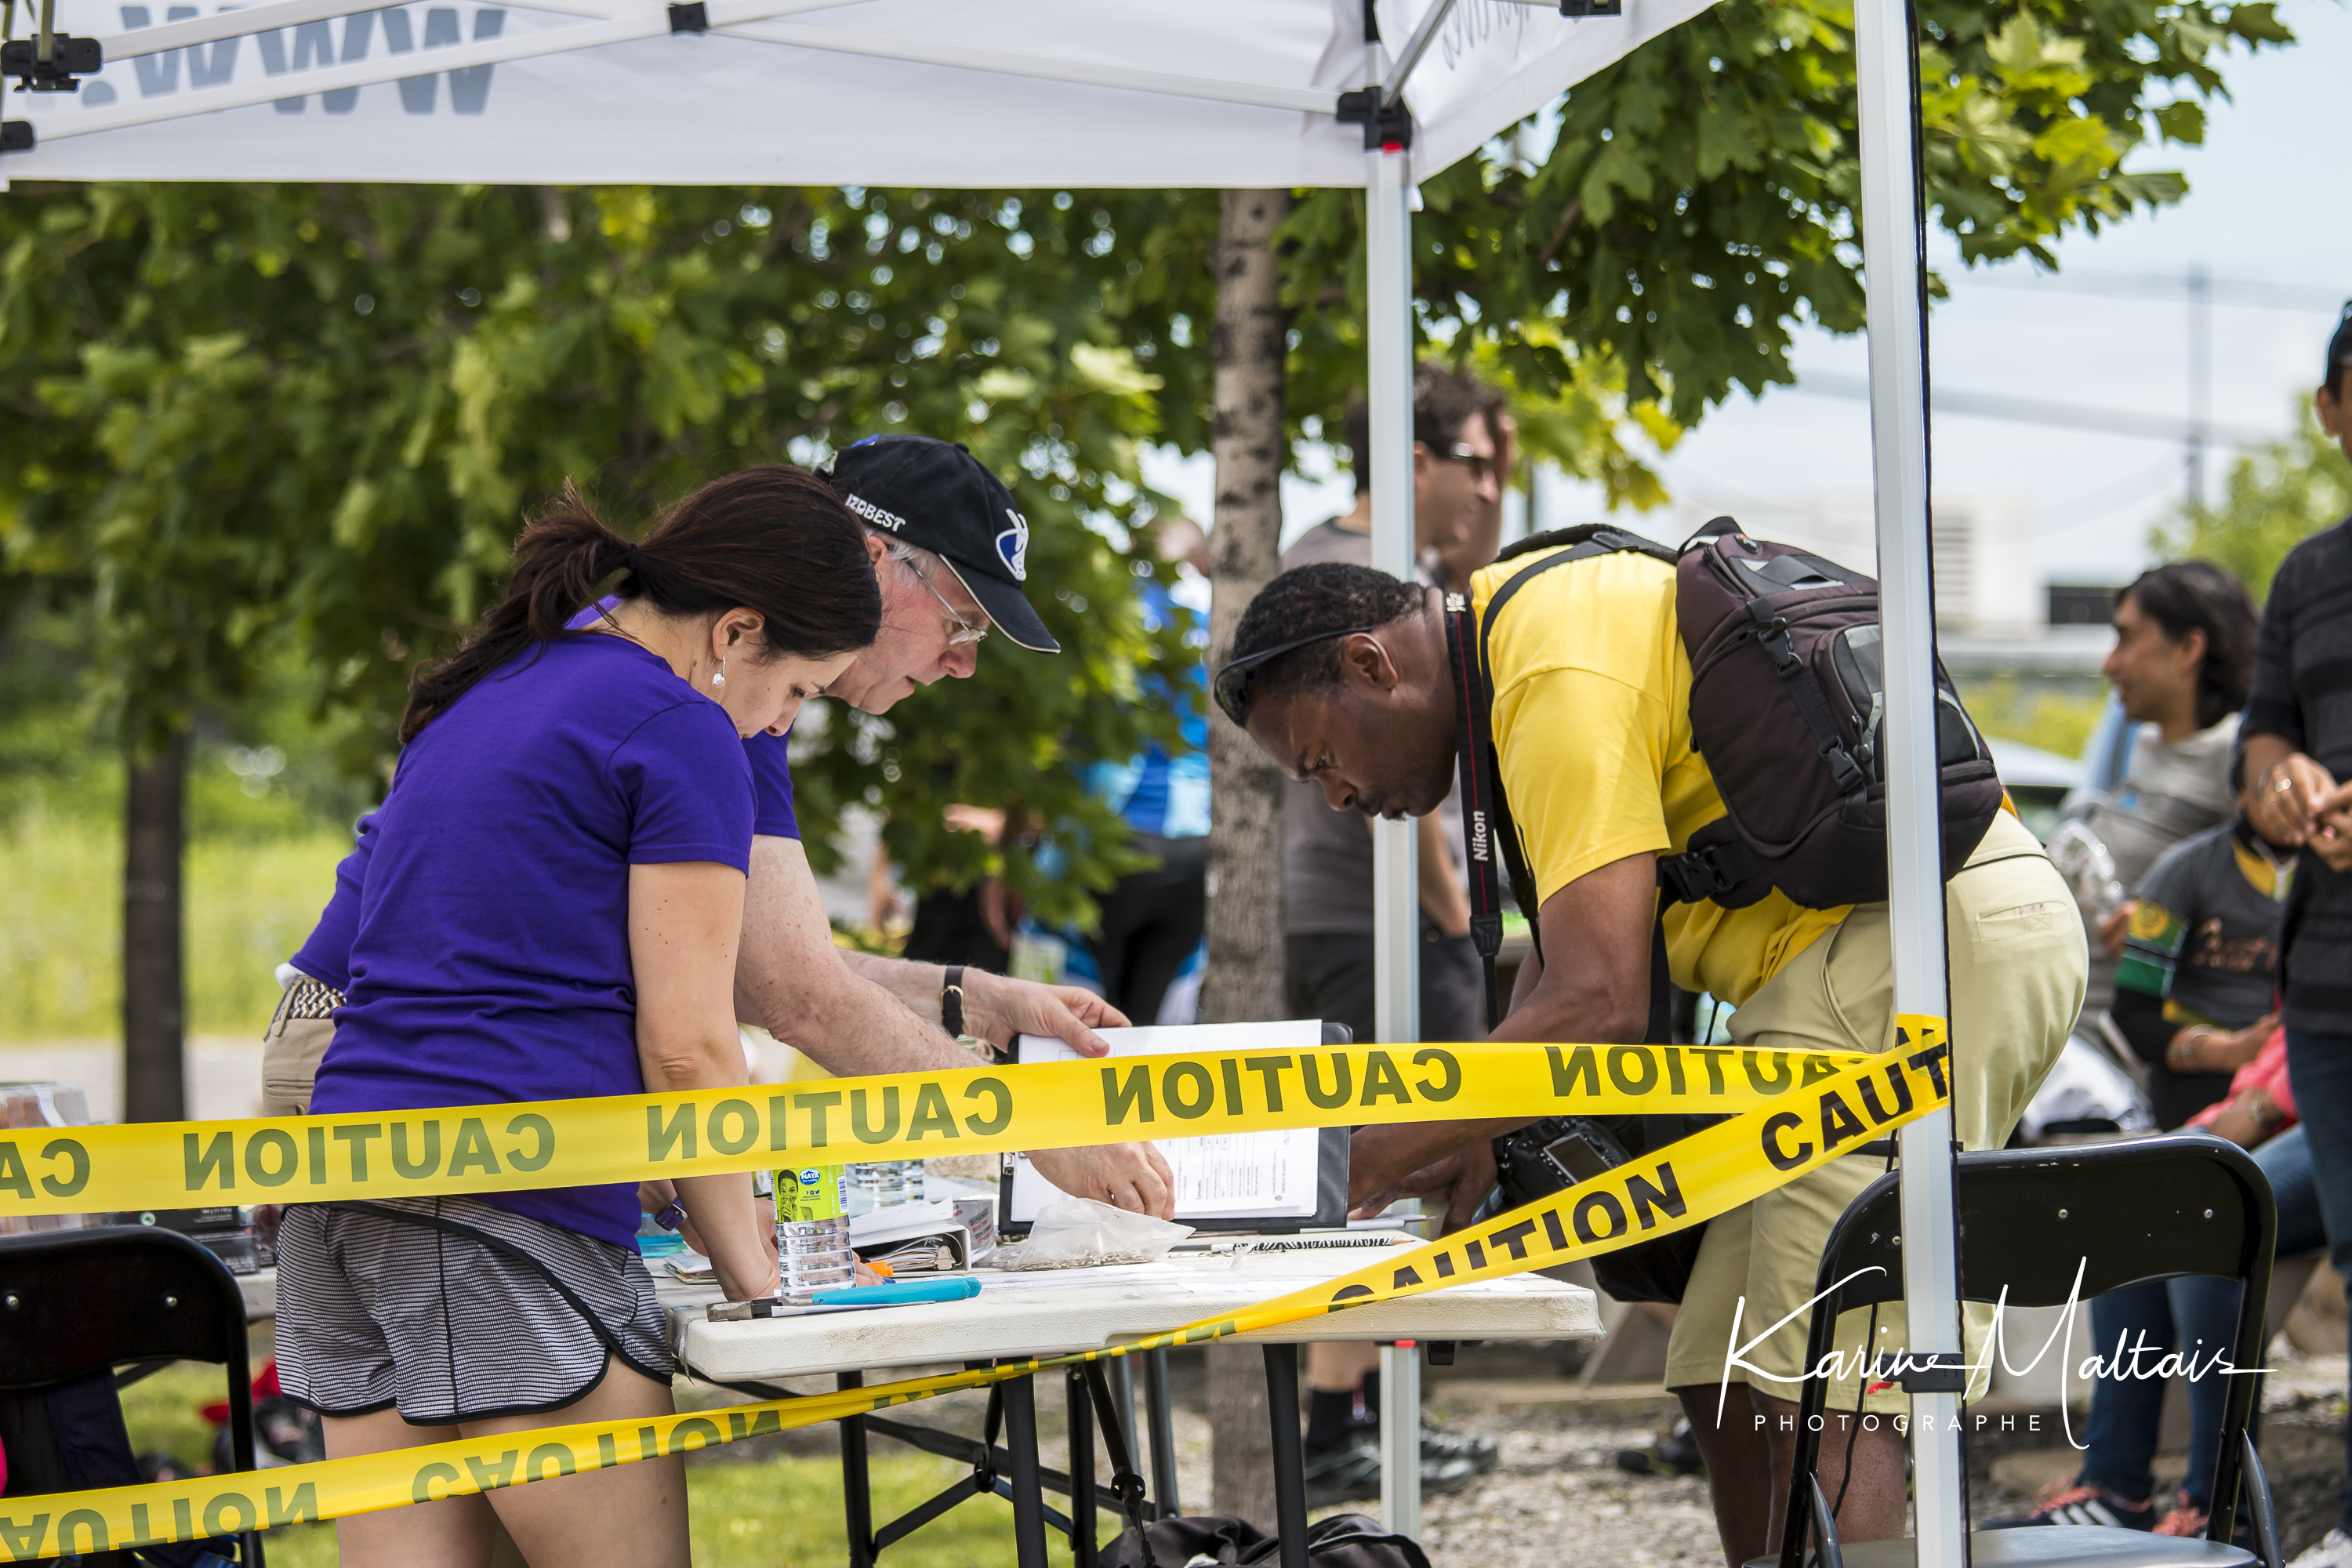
[[1352, 1474], [2333, 1550], [2072, 1502], [2185, 1518], [1676, 1453], [1441, 1446]]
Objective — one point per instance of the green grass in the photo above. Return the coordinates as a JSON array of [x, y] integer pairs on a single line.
[[785, 1509], [248, 901]]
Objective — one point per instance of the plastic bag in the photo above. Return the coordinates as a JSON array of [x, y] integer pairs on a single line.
[[1079, 1233]]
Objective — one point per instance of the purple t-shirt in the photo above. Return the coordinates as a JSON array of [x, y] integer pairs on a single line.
[[491, 959], [327, 955]]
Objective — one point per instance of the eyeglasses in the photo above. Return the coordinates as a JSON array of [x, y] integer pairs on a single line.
[[965, 635], [1231, 688], [1480, 464]]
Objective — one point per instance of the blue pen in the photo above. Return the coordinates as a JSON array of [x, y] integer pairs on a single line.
[[897, 1293]]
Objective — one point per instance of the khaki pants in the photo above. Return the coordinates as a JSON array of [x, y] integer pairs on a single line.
[[298, 1034], [2018, 965]]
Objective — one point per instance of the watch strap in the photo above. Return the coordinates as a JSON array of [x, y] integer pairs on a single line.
[[951, 1000]]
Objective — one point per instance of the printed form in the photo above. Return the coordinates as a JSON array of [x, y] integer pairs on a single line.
[[1224, 1175]]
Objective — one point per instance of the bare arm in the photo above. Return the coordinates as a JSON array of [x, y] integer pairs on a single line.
[[1596, 988], [854, 1015], [791, 980], [683, 921]]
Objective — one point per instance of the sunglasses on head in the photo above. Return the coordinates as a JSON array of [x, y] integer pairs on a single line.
[[1232, 686]]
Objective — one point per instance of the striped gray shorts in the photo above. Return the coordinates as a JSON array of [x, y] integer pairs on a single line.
[[450, 1309]]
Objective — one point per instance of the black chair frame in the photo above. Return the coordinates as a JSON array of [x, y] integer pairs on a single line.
[[2124, 1213], [76, 1303]]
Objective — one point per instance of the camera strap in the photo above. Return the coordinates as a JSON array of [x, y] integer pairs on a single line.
[[1487, 834]]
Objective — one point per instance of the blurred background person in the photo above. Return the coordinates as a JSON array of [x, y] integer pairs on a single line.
[[1460, 458], [2298, 744]]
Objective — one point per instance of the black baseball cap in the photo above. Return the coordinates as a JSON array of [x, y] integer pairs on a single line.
[[935, 494]]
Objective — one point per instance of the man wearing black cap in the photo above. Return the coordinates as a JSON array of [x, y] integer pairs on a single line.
[[952, 552], [2298, 740]]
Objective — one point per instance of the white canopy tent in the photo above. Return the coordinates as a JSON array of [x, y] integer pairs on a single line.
[[1106, 93]]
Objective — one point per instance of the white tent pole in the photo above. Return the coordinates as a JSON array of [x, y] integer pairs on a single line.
[[1414, 48], [1891, 259], [1396, 910]]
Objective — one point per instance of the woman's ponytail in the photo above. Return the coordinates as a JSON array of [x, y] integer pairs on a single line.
[[560, 558], [772, 539]]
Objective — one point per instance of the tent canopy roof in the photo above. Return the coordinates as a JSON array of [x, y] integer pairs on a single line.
[[874, 92]]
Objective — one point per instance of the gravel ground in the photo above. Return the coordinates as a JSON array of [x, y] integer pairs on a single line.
[[1557, 1485], [1559, 1496]]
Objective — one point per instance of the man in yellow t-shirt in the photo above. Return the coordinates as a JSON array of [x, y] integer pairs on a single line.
[[1341, 675]]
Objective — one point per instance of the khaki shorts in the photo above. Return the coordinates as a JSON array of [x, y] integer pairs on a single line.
[[300, 1033], [2018, 968]]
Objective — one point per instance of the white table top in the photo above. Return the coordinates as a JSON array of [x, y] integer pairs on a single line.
[[1055, 1312]]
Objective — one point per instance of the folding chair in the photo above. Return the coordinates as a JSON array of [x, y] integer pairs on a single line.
[[2142, 1209], [75, 1306]]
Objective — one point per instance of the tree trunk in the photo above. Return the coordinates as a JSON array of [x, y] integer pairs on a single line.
[[1241, 1435], [155, 1083], [1243, 979]]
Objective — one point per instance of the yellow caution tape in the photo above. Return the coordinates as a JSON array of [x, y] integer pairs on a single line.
[[1684, 1184], [980, 1110]]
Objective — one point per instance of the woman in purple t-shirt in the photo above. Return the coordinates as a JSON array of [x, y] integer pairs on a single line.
[[550, 910]]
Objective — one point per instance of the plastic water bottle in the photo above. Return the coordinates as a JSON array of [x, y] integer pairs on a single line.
[[881, 1183], [2089, 868], [813, 1229]]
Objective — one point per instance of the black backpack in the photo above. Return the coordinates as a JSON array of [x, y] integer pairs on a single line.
[[1787, 705]]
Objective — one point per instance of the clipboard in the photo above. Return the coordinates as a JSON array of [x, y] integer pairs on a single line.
[[1023, 1192]]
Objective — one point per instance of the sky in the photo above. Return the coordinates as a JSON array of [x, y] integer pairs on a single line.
[[2267, 215]]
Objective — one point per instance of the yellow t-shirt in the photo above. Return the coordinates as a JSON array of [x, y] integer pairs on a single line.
[[1593, 726]]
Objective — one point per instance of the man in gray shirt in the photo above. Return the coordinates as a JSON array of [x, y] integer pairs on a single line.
[[1326, 868]]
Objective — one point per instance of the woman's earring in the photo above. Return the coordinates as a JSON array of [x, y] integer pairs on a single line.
[[719, 676]]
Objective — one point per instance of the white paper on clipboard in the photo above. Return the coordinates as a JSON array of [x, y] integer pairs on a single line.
[[1224, 1175]]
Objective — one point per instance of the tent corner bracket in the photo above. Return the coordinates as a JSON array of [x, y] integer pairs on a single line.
[[694, 18], [16, 136], [1388, 124], [68, 60], [1591, 8]]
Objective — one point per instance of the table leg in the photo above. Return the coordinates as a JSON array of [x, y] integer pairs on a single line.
[[857, 1496], [1400, 1437], [1122, 1400], [1082, 1538], [1289, 1453], [1028, 1494], [1163, 1434]]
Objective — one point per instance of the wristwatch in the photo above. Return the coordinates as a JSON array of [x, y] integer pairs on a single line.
[[951, 1000]]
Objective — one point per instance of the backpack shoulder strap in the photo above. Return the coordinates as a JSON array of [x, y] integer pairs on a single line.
[[1610, 538], [1488, 834]]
